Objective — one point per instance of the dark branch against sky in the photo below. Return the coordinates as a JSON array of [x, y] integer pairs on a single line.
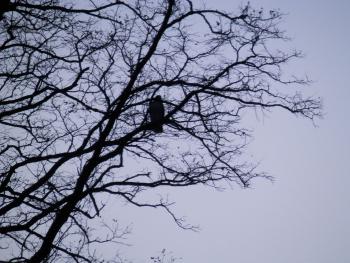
[[76, 82]]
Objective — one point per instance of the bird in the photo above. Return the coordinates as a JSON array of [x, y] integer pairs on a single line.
[[156, 111], [4, 7]]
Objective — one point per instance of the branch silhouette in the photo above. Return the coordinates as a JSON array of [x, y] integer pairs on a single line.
[[76, 81]]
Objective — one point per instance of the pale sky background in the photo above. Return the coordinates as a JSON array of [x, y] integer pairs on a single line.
[[304, 216]]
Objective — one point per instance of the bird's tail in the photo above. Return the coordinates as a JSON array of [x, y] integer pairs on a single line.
[[158, 128]]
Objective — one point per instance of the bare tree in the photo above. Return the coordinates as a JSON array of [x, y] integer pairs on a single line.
[[75, 85], [164, 257]]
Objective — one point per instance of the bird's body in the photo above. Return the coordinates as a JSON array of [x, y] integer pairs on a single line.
[[156, 111], [4, 7]]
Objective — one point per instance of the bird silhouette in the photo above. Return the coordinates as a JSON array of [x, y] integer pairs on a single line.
[[4, 7], [156, 111]]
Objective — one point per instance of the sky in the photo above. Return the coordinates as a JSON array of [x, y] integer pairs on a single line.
[[301, 217]]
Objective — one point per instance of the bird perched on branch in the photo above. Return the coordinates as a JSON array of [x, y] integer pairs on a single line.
[[4, 7], [156, 111]]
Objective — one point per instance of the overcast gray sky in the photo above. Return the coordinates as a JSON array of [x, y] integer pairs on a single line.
[[303, 217]]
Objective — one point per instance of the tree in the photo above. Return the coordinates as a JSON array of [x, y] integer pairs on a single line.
[[76, 82], [164, 257]]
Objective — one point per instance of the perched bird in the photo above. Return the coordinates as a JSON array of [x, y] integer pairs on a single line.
[[4, 7], [156, 111]]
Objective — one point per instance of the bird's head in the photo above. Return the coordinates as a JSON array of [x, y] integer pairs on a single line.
[[158, 98]]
